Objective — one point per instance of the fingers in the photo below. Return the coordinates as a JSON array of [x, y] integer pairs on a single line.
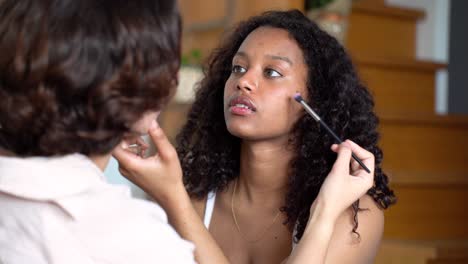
[[142, 143], [335, 147], [365, 156], [131, 160], [135, 144], [355, 148], [359, 151], [142, 147], [343, 159], [126, 158], [165, 149], [355, 165]]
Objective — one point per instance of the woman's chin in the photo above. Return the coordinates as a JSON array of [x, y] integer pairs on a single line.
[[243, 132]]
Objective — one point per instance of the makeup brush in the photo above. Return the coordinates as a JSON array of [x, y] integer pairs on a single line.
[[317, 118]]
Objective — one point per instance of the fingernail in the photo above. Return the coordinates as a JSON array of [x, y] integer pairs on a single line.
[[123, 144]]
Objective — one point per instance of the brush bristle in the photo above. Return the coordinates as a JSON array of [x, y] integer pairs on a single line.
[[298, 97]]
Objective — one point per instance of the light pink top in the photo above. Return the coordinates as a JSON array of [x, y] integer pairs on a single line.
[[61, 210]]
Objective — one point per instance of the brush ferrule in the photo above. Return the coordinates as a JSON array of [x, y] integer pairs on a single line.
[[310, 111]]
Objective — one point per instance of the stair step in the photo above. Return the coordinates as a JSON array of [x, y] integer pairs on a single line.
[[391, 252], [425, 149], [426, 157], [402, 64], [448, 261], [388, 11], [456, 251], [400, 86], [379, 30], [422, 252], [428, 212]]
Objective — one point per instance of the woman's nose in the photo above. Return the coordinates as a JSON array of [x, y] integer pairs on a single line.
[[248, 82]]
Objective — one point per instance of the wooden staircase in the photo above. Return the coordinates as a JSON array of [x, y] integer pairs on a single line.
[[425, 155]]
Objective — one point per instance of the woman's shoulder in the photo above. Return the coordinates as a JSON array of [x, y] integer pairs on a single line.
[[363, 245], [370, 220], [372, 214]]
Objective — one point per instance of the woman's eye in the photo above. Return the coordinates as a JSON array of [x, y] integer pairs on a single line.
[[272, 73], [237, 69]]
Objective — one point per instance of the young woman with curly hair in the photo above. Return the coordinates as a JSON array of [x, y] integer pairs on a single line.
[[259, 170], [76, 78]]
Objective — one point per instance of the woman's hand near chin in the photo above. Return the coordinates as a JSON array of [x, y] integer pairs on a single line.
[[159, 175]]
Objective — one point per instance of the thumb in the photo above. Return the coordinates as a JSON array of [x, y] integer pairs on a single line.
[[343, 160], [164, 147]]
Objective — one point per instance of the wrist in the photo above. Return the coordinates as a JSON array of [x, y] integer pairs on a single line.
[[321, 212], [170, 199], [317, 234], [319, 225]]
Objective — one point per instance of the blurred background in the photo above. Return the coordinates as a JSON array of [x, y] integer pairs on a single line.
[[412, 56]]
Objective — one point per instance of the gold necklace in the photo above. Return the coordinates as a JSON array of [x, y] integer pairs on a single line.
[[237, 225]]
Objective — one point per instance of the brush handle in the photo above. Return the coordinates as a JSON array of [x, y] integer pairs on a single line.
[[314, 115], [341, 141], [330, 131]]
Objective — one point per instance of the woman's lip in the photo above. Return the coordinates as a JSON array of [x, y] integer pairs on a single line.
[[242, 111], [238, 101]]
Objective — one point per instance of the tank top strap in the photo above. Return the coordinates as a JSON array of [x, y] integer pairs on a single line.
[[209, 207]]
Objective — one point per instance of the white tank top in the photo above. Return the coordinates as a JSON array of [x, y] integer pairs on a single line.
[[209, 207]]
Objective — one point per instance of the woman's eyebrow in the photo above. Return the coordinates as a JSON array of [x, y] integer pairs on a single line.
[[240, 54], [276, 57]]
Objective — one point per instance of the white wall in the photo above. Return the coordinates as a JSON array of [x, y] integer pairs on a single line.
[[113, 176], [433, 41]]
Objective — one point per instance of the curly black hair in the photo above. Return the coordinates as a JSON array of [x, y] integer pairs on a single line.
[[76, 75], [210, 155]]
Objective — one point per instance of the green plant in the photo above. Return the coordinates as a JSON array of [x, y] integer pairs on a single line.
[[193, 57]]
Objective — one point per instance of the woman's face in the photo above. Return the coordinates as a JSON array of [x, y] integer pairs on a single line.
[[267, 70]]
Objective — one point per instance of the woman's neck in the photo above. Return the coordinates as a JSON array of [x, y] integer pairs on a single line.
[[264, 170], [101, 161]]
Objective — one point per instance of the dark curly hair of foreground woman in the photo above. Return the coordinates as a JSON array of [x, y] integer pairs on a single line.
[[210, 155], [75, 84]]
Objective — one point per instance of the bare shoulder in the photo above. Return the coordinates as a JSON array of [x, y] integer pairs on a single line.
[[348, 247], [199, 205]]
